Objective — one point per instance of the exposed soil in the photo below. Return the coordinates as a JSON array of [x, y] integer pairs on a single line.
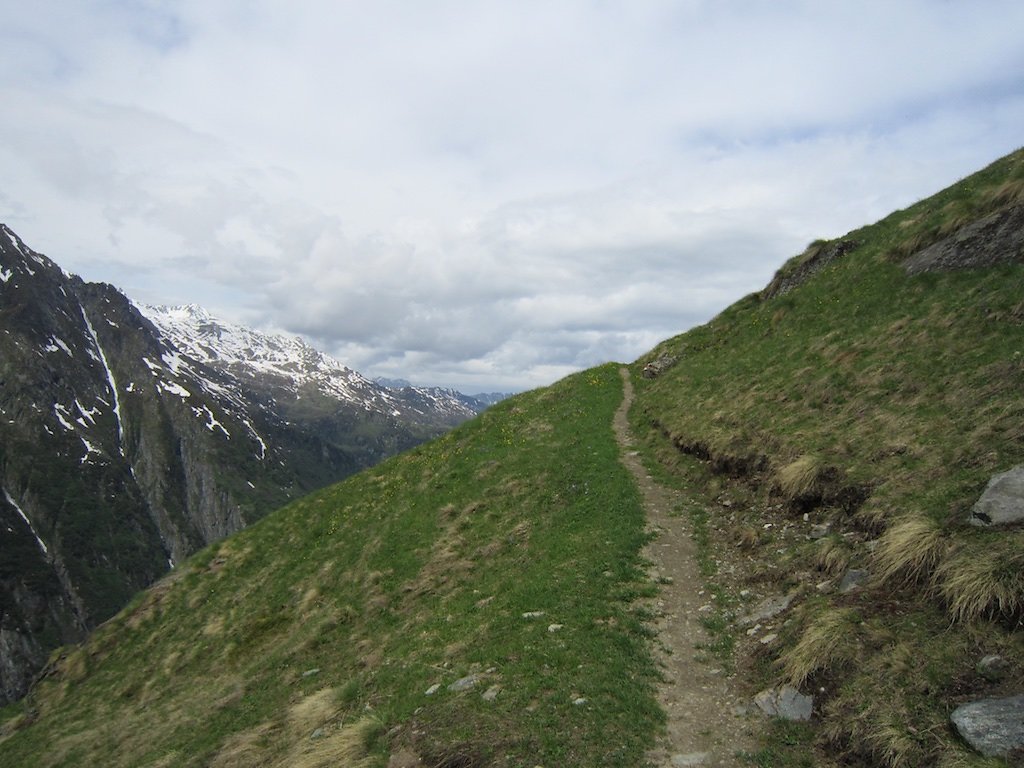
[[706, 710]]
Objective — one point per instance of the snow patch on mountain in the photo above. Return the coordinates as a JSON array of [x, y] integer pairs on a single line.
[[288, 361], [20, 511]]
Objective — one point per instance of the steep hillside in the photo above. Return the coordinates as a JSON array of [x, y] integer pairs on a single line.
[[470, 602], [847, 419], [480, 600], [121, 453]]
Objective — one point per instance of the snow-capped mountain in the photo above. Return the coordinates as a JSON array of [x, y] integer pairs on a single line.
[[129, 439], [278, 362]]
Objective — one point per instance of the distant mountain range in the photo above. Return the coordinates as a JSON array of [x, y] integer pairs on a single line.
[[131, 436]]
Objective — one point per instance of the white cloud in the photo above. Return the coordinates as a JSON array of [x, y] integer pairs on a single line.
[[483, 194]]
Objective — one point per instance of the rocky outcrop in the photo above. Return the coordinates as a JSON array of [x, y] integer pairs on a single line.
[[994, 239], [800, 269]]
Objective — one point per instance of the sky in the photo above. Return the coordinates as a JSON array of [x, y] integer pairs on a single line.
[[481, 194]]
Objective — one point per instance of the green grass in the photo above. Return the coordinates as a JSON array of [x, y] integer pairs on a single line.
[[415, 573], [879, 404], [865, 401]]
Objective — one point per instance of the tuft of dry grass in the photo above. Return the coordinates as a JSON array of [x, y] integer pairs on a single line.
[[892, 744], [832, 555], [978, 582], [829, 640], [310, 735], [1007, 193], [911, 244], [910, 549], [800, 478]]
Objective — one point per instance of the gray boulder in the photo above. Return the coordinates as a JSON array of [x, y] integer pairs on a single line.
[[853, 579], [768, 608], [1002, 503], [993, 727], [785, 702]]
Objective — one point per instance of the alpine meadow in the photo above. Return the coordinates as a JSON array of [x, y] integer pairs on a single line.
[[484, 599]]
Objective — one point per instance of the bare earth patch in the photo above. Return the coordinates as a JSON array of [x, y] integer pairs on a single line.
[[702, 703]]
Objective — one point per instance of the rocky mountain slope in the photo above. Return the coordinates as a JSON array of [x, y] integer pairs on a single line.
[[127, 445]]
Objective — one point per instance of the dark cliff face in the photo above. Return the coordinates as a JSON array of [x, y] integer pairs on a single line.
[[120, 456]]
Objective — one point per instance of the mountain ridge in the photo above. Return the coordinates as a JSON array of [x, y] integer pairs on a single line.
[[125, 447]]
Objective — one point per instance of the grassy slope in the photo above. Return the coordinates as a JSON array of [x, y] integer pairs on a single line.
[[413, 573], [864, 382], [864, 398]]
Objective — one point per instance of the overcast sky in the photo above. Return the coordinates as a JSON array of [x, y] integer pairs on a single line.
[[487, 195]]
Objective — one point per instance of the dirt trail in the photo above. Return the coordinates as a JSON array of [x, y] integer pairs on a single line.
[[701, 702]]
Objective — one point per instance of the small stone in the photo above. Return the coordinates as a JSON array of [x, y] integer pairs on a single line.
[[491, 693], [317, 734], [432, 689], [311, 672], [554, 627], [533, 614], [820, 531], [694, 758], [993, 668], [768, 608], [753, 630], [852, 579], [785, 702], [768, 639], [464, 683], [579, 701]]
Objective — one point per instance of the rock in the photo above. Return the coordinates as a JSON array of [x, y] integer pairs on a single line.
[[1002, 503], [311, 672], [993, 668], [491, 693], [996, 238], [317, 734], [693, 758], [432, 689], [799, 270], [554, 627], [770, 638], [578, 701], [852, 579], [785, 702], [464, 683], [993, 727], [533, 614], [820, 530], [768, 608], [657, 367]]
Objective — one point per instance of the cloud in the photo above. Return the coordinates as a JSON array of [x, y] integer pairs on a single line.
[[484, 194]]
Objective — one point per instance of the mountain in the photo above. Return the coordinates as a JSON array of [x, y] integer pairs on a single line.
[[482, 398], [281, 371], [481, 599], [126, 444]]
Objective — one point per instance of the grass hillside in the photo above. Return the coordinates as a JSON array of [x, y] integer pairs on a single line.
[[876, 403], [480, 599], [504, 555]]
